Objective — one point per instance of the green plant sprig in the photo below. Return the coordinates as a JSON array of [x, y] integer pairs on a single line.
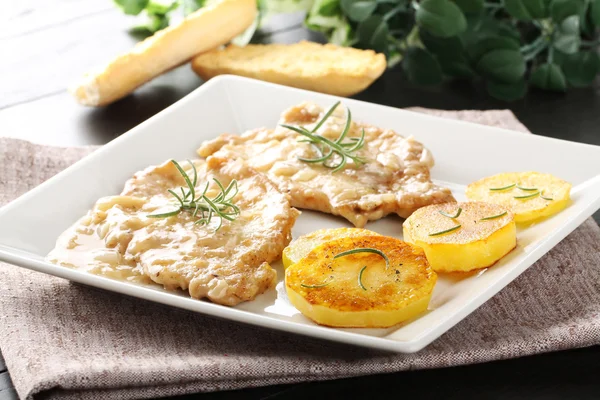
[[456, 215], [200, 205], [365, 250], [360, 274], [446, 230], [494, 216], [331, 154]]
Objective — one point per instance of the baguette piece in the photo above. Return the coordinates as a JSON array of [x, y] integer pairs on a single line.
[[331, 69], [203, 30]]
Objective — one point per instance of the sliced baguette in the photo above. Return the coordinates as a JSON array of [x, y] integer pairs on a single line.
[[340, 71], [203, 30]]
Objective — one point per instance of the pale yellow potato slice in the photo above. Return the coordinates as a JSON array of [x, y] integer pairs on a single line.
[[361, 290], [300, 247], [529, 195], [482, 234]]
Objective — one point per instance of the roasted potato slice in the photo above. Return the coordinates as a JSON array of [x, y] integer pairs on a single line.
[[300, 247], [361, 289], [462, 236], [529, 195]]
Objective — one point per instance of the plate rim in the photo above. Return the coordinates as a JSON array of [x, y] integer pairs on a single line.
[[21, 259]]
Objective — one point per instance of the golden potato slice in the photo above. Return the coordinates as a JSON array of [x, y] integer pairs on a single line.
[[361, 289], [479, 234], [300, 247], [529, 195]]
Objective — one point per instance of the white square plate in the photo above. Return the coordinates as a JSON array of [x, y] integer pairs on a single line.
[[463, 152]]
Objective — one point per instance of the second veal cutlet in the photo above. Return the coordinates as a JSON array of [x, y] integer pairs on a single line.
[[392, 175]]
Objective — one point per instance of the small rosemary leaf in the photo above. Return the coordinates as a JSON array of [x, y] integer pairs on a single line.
[[364, 250], [494, 216], [176, 196], [456, 215], [526, 189], [317, 160], [346, 127], [528, 196], [195, 181], [503, 188], [340, 166], [546, 198], [360, 274], [445, 231], [314, 286], [185, 177], [164, 215], [325, 117]]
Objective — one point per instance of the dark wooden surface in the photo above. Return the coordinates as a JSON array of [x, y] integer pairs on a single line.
[[46, 45]]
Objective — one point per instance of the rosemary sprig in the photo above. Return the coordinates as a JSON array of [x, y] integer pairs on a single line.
[[365, 250], [494, 216], [314, 286], [445, 231], [527, 196], [526, 189], [458, 212], [331, 154], [503, 187], [199, 204], [360, 274]]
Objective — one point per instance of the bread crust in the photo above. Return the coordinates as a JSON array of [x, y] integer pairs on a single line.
[[203, 30], [328, 68]]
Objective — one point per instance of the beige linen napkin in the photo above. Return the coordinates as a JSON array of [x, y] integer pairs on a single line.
[[64, 339]]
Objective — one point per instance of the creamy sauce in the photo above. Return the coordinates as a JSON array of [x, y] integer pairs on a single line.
[[395, 178], [118, 240]]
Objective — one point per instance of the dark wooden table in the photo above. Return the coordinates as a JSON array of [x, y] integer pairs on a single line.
[[45, 45]]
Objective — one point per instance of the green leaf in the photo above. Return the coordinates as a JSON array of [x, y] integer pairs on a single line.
[[401, 23], [568, 44], [470, 6], [561, 9], [329, 8], [570, 25], [549, 77], [161, 7], [487, 44], [482, 26], [336, 28], [421, 67], [441, 18], [131, 7], [567, 38], [502, 65], [456, 67], [581, 69], [450, 54], [526, 10], [439, 46], [373, 33], [358, 10], [507, 91], [155, 23], [595, 12]]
